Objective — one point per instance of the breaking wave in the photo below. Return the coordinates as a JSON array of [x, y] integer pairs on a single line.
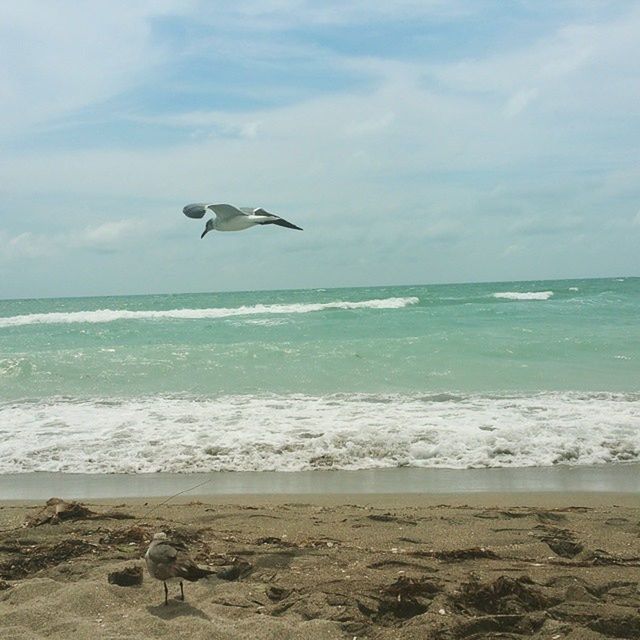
[[305, 432], [111, 315]]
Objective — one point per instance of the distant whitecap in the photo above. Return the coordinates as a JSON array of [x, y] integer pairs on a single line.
[[526, 295]]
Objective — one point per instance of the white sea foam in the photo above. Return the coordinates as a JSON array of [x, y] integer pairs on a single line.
[[111, 315], [297, 432], [526, 295]]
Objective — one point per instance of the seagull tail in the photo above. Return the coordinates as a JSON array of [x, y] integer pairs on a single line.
[[193, 572]]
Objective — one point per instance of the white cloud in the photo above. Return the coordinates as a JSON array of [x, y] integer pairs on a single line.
[[207, 123], [512, 250], [108, 236], [23, 245], [519, 101], [58, 58], [288, 14], [546, 224], [62, 56], [578, 68], [371, 125]]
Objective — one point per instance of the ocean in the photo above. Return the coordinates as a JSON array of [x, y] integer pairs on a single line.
[[518, 374]]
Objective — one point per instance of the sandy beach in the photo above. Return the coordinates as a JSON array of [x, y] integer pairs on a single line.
[[485, 565]]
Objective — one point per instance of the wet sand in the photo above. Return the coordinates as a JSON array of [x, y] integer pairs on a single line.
[[481, 565], [620, 478]]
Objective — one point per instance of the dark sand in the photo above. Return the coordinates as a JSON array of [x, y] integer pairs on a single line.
[[409, 566]]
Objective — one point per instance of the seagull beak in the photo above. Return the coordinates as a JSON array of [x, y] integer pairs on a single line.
[[204, 233]]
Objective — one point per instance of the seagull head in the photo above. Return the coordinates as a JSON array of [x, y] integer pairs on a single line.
[[208, 227]]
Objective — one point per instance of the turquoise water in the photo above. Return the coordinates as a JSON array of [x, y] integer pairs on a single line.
[[586, 336], [321, 378]]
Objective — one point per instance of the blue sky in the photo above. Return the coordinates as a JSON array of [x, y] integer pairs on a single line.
[[415, 141]]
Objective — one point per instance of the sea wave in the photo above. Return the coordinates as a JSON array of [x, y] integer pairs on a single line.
[[111, 315], [301, 432], [526, 295]]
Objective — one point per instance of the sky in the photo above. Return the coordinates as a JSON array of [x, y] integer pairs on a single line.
[[415, 141]]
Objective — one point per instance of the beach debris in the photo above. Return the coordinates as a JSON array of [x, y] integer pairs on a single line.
[[389, 517], [500, 626], [276, 593], [457, 555], [281, 542], [601, 558], [168, 560], [33, 558], [133, 535], [57, 510], [318, 543], [239, 569], [403, 599], [405, 587], [396, 562], [499, 514], [112, 515], [127, 577], [550, 517], [561, 541], [578, 593], [505, 595]]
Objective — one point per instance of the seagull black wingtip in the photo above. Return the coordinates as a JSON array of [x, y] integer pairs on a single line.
[[282, 223]]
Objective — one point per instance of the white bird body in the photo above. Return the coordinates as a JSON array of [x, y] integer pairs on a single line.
[[238, 223], [230, 218]]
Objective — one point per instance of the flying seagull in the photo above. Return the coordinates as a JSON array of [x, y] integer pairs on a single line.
[[230, 218], [168, 560]]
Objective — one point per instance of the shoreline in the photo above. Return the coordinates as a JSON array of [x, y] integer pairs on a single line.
[[622, 479]]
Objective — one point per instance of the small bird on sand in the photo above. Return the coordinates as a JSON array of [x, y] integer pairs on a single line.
[[230, 218], [170, 561]]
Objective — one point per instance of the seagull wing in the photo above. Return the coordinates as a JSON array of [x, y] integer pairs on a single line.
[[165, 552], [186, 568], [172, 560], [270, 218], [222, 211], [225, 211], [182, 564], [281, 222]]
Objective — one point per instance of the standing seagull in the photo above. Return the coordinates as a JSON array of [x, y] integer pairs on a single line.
[[230, 218], [168, 560]]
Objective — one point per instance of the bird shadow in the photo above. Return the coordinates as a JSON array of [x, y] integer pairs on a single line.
[[176, 609]]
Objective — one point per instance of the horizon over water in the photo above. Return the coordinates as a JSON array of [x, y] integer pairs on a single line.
[[461, 283], [493, 374]]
